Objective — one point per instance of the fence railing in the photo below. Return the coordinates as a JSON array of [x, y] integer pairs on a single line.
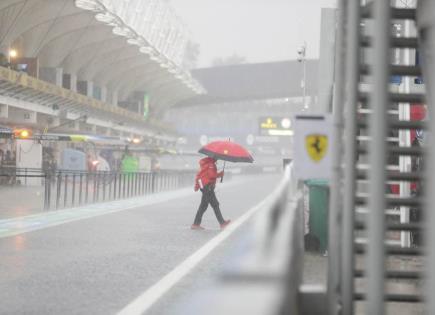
[[65, 189]]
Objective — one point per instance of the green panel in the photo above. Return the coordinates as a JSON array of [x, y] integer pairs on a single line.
[[319, 207], [129, 164]]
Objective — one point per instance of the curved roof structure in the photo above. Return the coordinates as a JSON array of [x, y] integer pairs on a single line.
[[121, 46]]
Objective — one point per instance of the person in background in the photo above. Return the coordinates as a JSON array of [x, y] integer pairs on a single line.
[[205, 181]]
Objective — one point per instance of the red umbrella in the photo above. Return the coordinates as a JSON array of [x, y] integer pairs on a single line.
[[227, 151]]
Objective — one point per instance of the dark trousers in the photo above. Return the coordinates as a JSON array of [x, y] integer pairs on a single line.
[[208, 197]]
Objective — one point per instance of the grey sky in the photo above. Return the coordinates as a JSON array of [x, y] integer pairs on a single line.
[[260, 30]]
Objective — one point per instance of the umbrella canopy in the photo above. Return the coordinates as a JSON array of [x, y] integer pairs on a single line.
[[227, 151]]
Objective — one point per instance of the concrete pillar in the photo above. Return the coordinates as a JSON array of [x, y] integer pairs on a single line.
[[86, 88], [73, 86], [70, 82], [96, 92], [114, 98], [90, 88], [103, 94], [52, 75], [4, 111], [141, 98]]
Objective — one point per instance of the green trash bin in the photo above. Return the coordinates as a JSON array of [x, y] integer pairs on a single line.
[[318, 205]]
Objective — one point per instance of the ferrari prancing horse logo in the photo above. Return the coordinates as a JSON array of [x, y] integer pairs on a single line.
[[317, 146]]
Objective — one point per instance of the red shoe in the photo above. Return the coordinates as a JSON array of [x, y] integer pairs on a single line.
[[196, 227], [224, 225]]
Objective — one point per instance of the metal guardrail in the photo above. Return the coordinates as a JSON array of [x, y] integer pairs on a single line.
[[65, 189]]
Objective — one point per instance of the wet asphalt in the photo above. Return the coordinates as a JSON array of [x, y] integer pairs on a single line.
[[99, 265]]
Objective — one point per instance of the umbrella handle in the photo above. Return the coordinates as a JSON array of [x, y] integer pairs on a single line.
[[222, 178]]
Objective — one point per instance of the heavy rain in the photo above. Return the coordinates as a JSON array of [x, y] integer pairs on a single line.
[[190, 157]]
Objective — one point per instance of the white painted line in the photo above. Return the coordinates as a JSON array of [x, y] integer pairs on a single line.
[[40, 221], [147, 299], [20, 225]]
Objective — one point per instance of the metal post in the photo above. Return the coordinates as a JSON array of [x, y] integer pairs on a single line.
[[304, 89], [104, 186], [130, 185], [73, 197], [110, 184], [336, 178], [49, 191], [114, 185], [405, 135], [87, 188], [58, 189], [153, 182], [348, 219], [378, 158], [81, 188], [137, 184], [148, 185], [65, 191], [426, 24], [123, 185], [46, 192], [94, 198]]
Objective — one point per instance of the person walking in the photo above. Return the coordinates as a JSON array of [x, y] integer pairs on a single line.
[[205, 181]]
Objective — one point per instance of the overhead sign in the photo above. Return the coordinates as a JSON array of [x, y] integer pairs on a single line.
[[313, 146], [268, 123], [275, 126], [5, 132]]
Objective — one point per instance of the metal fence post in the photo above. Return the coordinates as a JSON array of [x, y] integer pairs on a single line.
[[94, 198], [87, 188], [58, 189], [47, 186], [73, 197], [130, 184], [80, 188], [65, 192], [123, 185], [335, 209], [110, 183], [153, 182], [105, 183], [378, 158], [348, 219], [114, 186], [149, 183], [143, 184], [426, 26]]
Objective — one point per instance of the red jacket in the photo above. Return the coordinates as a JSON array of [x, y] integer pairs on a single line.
[[207, 173]]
